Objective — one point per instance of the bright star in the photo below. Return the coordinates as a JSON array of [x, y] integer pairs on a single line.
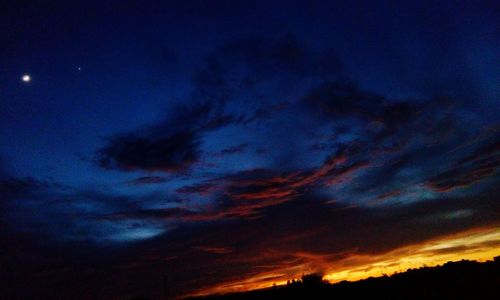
[[26, 78]]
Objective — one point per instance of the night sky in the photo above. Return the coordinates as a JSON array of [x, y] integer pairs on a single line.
[[213, 146]]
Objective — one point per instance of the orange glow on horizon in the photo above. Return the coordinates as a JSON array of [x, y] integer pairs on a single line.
[[479, 244]]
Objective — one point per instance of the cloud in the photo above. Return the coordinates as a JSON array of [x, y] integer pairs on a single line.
[[482, 163], [213, 250], [234, 149], [247, 194], [147, 180], [12, 187], [200, 189], [270, 57], [172, 146], [228, 77], [305, 235], [339, 99], [309, 234], [380, 117], [171, 153]]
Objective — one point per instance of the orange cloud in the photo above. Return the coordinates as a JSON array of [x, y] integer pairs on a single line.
[[478, 244]]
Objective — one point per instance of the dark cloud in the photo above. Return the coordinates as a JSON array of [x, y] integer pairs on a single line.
[[234, 149], [380, 117], [172, 153], [489, 149], [14, 186], [201, 189], [482, 163], [338, 99], [464, 176], [233, 71], [310, 232], [147, 180], [270, 57], [172, 146], [387, 195], [11, 187], [330, 231], [266, 112], [214, 250], [247, 194]]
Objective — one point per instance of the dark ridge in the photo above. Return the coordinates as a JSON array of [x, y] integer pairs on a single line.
[[454, 280]]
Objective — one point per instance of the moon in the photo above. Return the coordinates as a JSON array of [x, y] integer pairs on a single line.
[[26, 78]]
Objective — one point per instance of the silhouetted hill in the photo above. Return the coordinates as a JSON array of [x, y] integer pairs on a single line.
[[453, 280]]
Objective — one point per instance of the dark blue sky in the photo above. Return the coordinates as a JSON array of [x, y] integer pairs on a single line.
[[165, 131]]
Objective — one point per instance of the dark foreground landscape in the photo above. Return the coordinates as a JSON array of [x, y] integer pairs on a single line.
[[453, 280]]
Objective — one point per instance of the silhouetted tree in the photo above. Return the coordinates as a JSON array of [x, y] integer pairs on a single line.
[[312, 279]]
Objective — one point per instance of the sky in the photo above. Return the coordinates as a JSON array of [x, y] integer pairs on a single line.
[[215, 146]]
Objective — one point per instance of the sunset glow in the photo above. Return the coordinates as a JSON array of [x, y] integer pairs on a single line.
[[161, 149], [481, 244]]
